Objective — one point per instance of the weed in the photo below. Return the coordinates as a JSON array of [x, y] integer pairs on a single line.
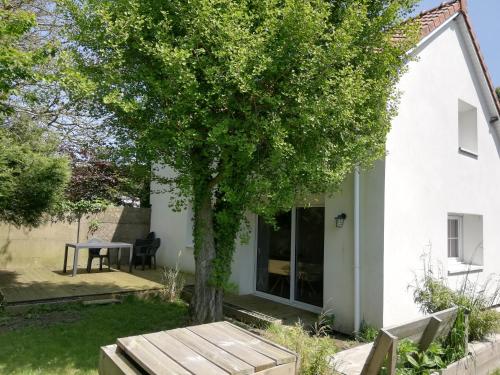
[[314, 351], [366, 333]]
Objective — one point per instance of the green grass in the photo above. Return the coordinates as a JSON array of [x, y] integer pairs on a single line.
[[66, 340]]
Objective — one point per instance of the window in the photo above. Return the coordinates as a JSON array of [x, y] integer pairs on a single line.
[[465, 243], [467, 129], [454, 236]]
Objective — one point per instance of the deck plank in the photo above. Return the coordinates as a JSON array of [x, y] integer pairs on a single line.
[[183, 355], [220, 357], [280, 356], [226, 342], [149, 357]]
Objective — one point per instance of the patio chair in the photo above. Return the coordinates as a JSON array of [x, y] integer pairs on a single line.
[[145, 251], [96, 253]]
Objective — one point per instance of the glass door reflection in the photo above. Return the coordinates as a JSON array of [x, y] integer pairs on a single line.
[[274, 255], [309, 255]]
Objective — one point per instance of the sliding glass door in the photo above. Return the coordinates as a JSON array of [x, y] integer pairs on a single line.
[[273, 256], [290, 256], [309, 255]]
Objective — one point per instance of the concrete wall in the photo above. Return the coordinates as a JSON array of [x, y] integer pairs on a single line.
[[427, 178], [44, 246]]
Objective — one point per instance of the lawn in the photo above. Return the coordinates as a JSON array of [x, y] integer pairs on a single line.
[[66, 339]]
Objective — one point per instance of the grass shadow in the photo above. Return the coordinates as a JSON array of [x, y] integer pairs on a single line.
[[73, 347]]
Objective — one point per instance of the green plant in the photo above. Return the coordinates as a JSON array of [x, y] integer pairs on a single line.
[[94, 226], [314, 350], [366, 333], [433, 294], [455, 344], [323, 326], [412, 361], [173, 282]]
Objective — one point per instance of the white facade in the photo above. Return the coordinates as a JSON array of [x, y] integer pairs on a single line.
[[405, 200]]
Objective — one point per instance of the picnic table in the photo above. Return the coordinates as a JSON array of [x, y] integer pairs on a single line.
[[97, 245], [210, 349]]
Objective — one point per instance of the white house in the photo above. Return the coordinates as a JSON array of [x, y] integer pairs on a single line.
[[437, 191]]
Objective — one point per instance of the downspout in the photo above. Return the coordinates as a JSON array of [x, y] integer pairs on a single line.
[[357, 283]]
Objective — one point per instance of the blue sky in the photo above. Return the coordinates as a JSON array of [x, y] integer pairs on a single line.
[[485, 16]]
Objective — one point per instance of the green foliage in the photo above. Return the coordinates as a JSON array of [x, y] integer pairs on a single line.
[[366, 333], [32, 177], [257, 103], [93, 226], [432, 294], [455, 344], [15, 63], [411, 361], [314, 351], [74, 211]]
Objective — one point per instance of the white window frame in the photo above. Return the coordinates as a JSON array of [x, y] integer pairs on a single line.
[[468, 150], [459, 237]]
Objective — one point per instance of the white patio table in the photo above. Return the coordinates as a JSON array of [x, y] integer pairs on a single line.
[[92, 245]]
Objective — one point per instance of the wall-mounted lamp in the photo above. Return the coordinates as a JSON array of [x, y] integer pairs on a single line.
[[339, 220], [493, 119]]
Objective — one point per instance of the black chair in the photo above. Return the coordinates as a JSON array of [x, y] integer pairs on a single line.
[[145, 251], [96, 253]]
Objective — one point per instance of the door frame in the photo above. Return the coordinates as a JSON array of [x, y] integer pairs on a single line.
[[286, 301]]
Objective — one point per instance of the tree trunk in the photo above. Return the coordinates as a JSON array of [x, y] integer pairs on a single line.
[[206, 304]]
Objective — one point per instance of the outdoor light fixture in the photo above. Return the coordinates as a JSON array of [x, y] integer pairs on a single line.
[[339, 220]]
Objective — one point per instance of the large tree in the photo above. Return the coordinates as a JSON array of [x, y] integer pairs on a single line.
[[32, 173], [253, 103]]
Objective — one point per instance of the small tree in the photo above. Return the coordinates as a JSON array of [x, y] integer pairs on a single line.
[[252, 103]]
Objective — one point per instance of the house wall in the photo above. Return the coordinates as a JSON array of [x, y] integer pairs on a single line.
[[338, 292], [372, 189], [338, 289], [174, 228], [426, 176]]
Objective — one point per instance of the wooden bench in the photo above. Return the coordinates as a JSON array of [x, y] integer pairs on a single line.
[[216, 348], [368, 359]]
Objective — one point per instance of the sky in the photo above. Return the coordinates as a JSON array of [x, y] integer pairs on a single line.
[[485, 15]]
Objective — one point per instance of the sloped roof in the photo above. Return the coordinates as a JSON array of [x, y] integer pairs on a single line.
[[433, 18]]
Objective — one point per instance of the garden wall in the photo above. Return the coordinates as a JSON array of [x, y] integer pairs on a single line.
[[44, 246]]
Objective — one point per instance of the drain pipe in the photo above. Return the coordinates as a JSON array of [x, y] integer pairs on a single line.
[[357, 284]]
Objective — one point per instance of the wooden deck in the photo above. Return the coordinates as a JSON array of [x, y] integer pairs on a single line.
[[25, 285], [286, 314], [216, 349], [38, 285]]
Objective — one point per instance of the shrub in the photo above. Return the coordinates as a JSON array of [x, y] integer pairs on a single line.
[[411, 361], [314, 350], [366, 333], [173, 282], [432, 294]]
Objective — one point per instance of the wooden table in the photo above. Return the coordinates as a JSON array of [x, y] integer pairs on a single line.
[[96, 245], [211, 349]]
